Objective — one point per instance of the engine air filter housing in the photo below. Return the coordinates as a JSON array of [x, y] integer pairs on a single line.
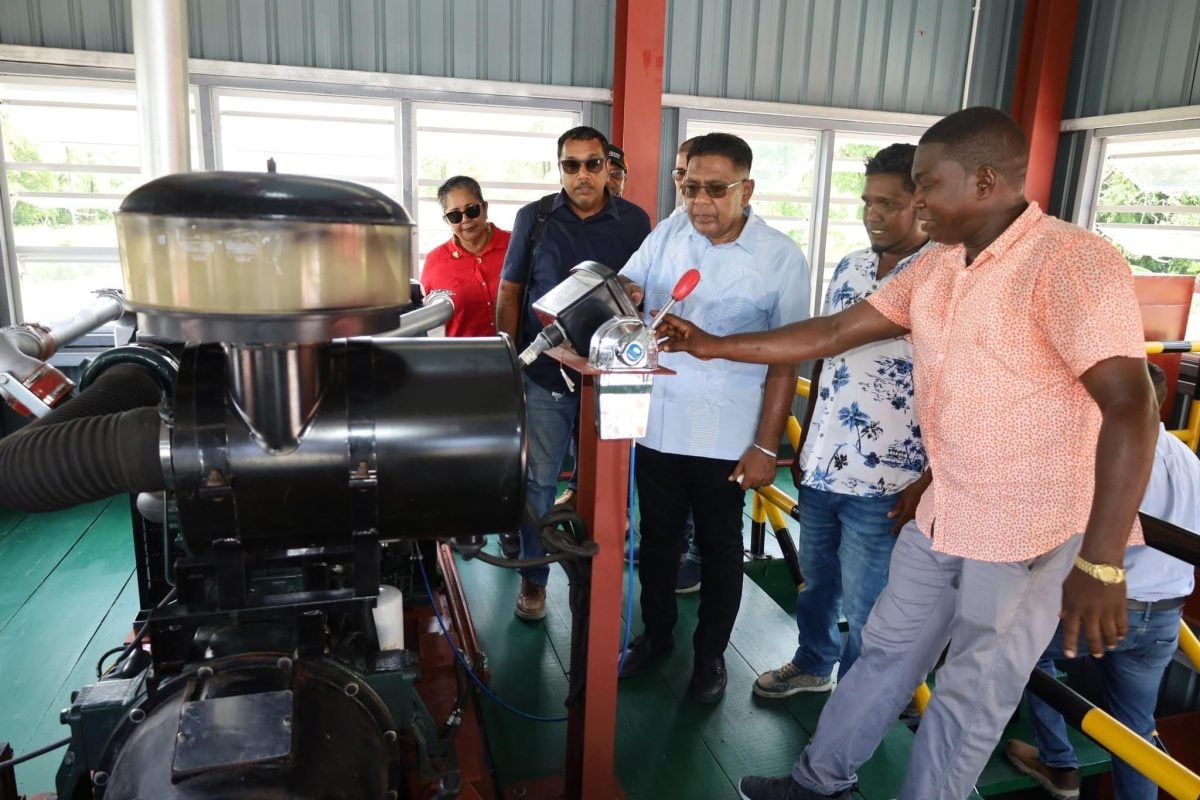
[[247, 257]]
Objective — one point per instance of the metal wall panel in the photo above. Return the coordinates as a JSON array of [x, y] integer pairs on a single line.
[[883, 55], [997, 45], [1134, 55], [527, 41]]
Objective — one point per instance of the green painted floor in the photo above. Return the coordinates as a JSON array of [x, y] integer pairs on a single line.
[[67, 595]]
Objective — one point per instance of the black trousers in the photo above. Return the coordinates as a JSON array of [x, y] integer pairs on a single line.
[[668, 486]]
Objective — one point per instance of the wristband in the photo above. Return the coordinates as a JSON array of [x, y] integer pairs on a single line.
[[762, 449]]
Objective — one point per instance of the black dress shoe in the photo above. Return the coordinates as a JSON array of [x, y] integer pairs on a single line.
[[642, 650], [708, 680]]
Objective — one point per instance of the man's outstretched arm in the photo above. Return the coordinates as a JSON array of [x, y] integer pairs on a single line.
[[820, 337]]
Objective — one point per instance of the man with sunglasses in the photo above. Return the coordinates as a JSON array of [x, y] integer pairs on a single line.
[[583, 222], [468, 264], [618, 171], [714, 426]]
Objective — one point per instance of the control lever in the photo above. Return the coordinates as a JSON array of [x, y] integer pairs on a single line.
[[683, 287]]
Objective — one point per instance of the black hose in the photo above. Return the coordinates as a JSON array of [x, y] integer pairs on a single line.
[[58, 466], [102, 442], [119, 388]]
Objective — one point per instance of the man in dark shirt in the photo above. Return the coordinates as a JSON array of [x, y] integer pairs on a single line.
[[585, 223]]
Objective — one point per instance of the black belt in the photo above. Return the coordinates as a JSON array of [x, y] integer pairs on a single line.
[[1155, 605]]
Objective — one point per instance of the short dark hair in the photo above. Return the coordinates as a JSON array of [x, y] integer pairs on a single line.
[[459, 182], [685, 148], [982, 136], [1159, 379], [895, 159], [723, 144], [583, 133]]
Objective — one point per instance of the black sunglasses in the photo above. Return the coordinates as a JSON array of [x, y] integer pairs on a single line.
[[571, 165], [714, 190], [472, 211]]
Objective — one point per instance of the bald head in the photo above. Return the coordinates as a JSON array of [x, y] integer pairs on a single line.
[[982, 136]]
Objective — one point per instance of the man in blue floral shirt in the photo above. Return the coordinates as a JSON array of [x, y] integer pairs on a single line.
[[861, 466]]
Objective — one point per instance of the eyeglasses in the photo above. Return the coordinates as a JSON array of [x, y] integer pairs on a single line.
[[616, 173], [571, 165], [471, 211], [714, 190], [679, 173]]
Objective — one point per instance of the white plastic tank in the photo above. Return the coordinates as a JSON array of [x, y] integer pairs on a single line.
[[389, 618]]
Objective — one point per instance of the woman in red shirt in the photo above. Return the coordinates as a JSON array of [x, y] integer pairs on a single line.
[[468, 265]]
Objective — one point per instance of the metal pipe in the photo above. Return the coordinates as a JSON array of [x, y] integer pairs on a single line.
[[971, 53], [41, 341], [438, 308], [277, 389], [1171, 776], [160, 51]]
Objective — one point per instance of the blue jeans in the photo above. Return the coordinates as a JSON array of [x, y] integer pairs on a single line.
[[845, 545], [549, 417], [1132, 673]]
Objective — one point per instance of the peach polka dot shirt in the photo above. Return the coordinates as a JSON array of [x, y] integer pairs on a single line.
[[998, 348]]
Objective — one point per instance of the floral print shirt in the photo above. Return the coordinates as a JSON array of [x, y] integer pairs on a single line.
[[864, 438]]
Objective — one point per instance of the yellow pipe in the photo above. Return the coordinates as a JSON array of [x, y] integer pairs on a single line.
[[774, 495], [1193, 426], [758, 513], [774, 515], [803, 386], [1156, 348], [793, 433], [1189, 644], [1171, 776], [921, 697]]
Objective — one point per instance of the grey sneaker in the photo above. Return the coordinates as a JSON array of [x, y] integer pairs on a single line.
[[788, 680]]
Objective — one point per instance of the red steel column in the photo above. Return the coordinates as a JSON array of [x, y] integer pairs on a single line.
[[602, 501], [1040, 88], [637, 95]]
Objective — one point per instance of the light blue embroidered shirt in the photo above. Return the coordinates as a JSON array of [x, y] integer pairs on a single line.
[[755, 283], [864, 439], [1173, 494]]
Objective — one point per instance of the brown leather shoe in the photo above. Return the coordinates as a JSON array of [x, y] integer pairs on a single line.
[[1062, 784], [531, 601], [567, 498]]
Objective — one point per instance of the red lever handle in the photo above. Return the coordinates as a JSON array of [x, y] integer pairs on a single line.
[[685, 285]]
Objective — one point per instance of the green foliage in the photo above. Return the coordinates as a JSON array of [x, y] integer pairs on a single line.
[[25, 214], [1117, 189]]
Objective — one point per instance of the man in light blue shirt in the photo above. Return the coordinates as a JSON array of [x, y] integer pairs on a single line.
[[1157, 586], [715, 425]]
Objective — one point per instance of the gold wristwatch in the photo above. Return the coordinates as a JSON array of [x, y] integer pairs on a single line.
[[1105, 573]]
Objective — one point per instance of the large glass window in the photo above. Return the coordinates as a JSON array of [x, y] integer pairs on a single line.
[[1148, 205], [71, 152], [510, 151], [354, 140]]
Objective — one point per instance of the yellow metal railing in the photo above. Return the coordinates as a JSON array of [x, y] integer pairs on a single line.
[[1190, 434]]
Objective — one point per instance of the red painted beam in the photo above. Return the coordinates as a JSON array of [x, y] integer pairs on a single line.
[[637, 95], [1040, 89]]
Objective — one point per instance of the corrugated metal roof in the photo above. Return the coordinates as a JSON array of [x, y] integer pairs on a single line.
[[884, 55], [1134, 55]]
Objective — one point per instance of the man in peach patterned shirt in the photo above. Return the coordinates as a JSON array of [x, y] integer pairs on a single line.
[[1026, 335]]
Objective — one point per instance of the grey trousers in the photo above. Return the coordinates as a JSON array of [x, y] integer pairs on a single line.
[[997, 619]]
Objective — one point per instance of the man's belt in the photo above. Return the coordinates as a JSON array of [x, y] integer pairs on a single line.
[[1155, 605]]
